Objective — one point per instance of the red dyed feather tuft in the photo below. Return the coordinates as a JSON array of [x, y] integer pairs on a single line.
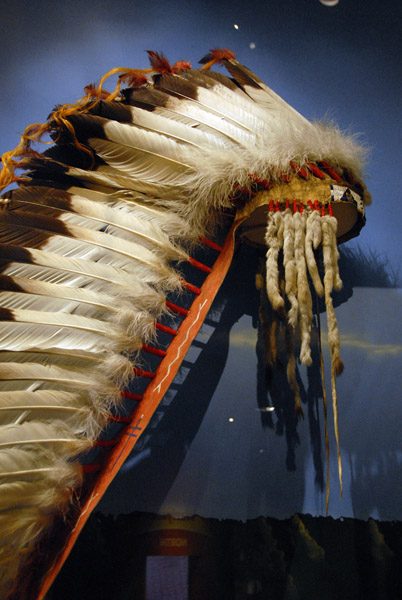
[[217, 55], [181, 65], [134, 79], [92, 90], [159, 63]]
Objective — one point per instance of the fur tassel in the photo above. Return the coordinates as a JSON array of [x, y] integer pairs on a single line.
[[303, 289], [332, 227], [274, 241], [290, 267], [329, 240], [312, 242], [333, 332]]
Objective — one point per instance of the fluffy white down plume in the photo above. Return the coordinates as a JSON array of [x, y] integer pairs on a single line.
[[86, 253], [270, 153]]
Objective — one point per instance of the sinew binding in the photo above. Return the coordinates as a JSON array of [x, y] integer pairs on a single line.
[[91, 243]]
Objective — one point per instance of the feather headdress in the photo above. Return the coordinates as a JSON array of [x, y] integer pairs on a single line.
[[92, 243]]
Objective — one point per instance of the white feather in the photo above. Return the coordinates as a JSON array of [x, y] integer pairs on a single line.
[[122, 268], [139, 205], [71, 358], [94, 215], [194, 115], [49, 297], [17, 300], [209, 101], [20, 528], [236, 134], [77, 296], [42, 433], [75, 377], [233, 103], [133, 203], [182, 132], [156, 144], [45, 330], [109, 177], [85, 273], [107, 246], [275, 107], [43, 404], [141, 163]]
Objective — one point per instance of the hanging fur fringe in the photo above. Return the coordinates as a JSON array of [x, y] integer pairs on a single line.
[[293, 239], [92, 240]]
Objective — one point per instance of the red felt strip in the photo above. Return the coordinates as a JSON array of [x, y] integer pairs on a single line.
[[198, 265], [131, 396], [190, 287], [300, 172], [120, 419], [330, 171], [262, 182], [211, 244], [153, 350], [165, 329], [177, 309], [143, 373], [91, 468], [315, 170], [105, 443]]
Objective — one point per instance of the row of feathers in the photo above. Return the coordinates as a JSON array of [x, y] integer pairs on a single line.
[[87, 259]]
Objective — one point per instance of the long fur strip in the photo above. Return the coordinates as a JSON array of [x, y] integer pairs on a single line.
[[303, 289], [274, 241], [313, 224], [290, 267], [336, 427], [332, 227], [333, 332], [328, 248]]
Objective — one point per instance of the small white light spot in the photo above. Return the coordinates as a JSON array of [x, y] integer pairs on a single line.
[[329, 2], [231, 419], [261, 450], [251, 45], [236, 26]]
